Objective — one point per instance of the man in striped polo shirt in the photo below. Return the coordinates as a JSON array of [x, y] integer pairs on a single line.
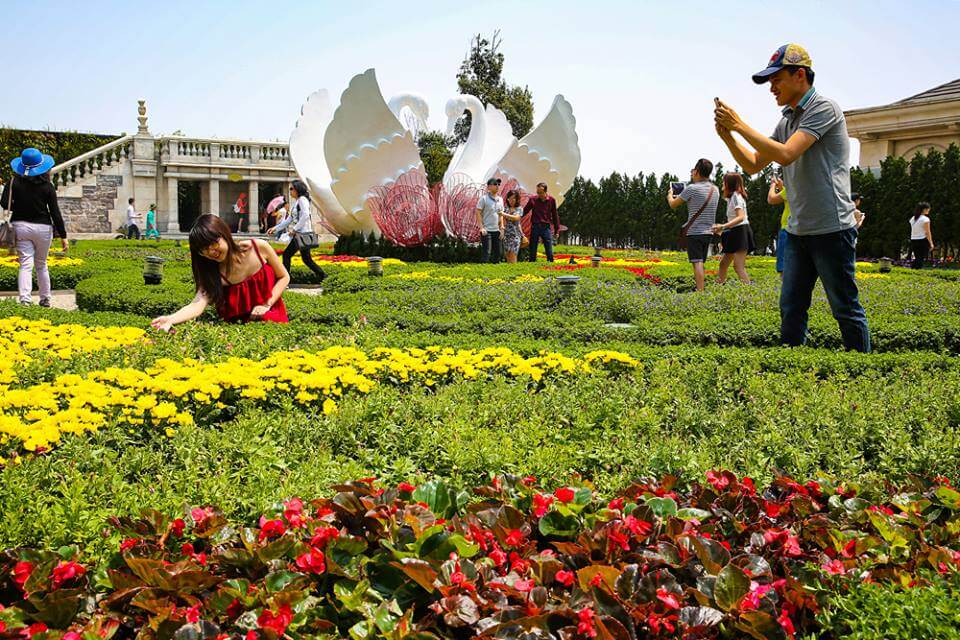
[[701, 197]]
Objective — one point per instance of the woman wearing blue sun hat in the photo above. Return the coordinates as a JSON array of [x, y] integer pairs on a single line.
[[32, 199]]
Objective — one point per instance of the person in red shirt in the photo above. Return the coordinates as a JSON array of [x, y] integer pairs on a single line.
[[545, 222], [244, 280]]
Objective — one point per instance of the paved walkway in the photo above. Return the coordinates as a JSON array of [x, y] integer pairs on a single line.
[[64, 299]]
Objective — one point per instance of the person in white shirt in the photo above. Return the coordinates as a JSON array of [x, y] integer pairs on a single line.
[[921, 238], [133, 231], [300, 228], [489, 210], [736, 235]]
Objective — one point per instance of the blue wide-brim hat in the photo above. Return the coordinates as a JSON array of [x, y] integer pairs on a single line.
[[32, 163]]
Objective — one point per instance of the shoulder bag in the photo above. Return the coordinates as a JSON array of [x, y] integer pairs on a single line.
[[306, 239], [8, 236], [682, 239]]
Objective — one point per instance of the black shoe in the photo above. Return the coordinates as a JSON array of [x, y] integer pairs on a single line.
[[45, 302]]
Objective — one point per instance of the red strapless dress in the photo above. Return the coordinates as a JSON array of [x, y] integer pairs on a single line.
[[239, 299]]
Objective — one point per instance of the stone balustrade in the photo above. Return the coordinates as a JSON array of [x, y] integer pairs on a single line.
[[176, 150], [189, 148], [92, 162]]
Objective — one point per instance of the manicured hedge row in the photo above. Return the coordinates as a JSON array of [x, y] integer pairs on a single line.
[[737, 316]]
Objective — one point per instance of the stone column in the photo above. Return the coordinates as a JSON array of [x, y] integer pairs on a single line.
[[173, 206], [214, 197], [253, 206]]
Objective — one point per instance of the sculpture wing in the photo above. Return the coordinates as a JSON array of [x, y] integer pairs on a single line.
[[366, 147], [550, 153], [477, 156], [306, 154]]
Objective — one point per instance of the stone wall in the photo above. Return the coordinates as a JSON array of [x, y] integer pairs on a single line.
[[90, 213]]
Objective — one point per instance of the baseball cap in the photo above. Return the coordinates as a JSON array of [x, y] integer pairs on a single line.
[[787, 55], [493, 181]]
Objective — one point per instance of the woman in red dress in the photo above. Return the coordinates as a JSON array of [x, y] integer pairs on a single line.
[[243, 280]]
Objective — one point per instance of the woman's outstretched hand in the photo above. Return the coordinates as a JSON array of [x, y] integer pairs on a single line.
[[258, 312], [162, 323]]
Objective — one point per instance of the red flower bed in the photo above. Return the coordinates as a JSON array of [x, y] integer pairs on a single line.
[[640, 272], [566, 267], [655, 561]]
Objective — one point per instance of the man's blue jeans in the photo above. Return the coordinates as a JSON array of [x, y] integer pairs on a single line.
[[832, 258], [490, 248], [538, 232]]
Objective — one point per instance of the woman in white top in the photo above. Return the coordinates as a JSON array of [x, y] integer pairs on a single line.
[[737, 236], [921, 239], [300, 227]]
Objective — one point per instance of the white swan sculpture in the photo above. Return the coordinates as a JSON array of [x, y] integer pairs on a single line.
[[362, 163], [550, 153], [489, 138]]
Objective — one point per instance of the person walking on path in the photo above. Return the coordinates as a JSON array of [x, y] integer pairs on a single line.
[[544, 222], [244, 280], [300, 227], [489, 210], [778, 195], [510, 226], [133, 231], [31, 199], [701, 198], [152, 230], [921, 238], [811, 144], [736, 236]]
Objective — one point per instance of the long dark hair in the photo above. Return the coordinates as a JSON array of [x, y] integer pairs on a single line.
[[921, 207], [733, 183], [510, 194], [300, 188], [207, 230]]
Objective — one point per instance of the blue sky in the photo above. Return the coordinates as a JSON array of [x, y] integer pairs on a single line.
[[641, 75]]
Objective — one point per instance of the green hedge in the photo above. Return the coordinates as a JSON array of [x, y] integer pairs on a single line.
[[686, 410], [902, 316], [879, 612], [62, 145]]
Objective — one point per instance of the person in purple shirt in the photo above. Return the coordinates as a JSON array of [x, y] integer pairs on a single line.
[[545, 222]]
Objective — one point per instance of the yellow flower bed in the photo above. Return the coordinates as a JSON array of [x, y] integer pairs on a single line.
[[52, 261], [429, 275], [353, 264], [172, 394], [19, 337]]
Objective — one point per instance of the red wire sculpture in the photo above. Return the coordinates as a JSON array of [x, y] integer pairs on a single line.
[[410, 214], [457, 205], [406, 211]]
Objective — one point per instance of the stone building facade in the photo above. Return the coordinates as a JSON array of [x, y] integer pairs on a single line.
[[928, 120], [183, 176]]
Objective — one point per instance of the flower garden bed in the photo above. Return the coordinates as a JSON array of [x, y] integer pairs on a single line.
[[718, 559], [437, 378]]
